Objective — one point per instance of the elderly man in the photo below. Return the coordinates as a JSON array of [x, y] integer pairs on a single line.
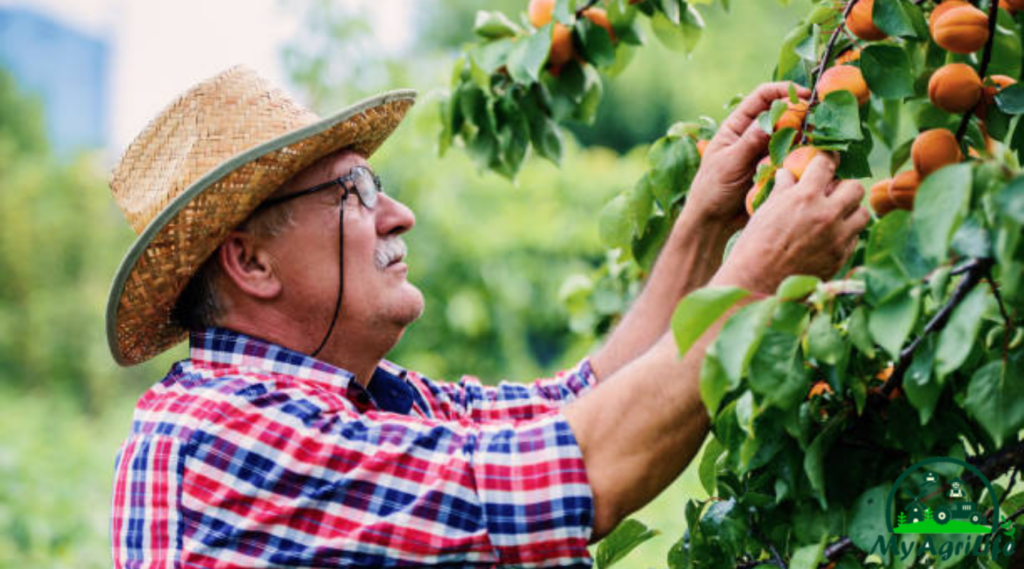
[[285, 439]]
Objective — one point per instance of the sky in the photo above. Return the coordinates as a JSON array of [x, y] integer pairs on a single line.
[[159, 48]]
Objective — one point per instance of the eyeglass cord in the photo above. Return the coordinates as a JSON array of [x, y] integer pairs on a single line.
[[341, 272]]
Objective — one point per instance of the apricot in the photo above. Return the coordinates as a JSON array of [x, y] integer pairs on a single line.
[[860, 23], [942, 9], [798, 160], [843, 78], [702, 146], [933, 149], [848, 56], [955, 88], [793, 117], [819, 389], [878, 197], [540, 13], [1011, 6], [961, 29], [991, 87], [600, 17], [904, 188]]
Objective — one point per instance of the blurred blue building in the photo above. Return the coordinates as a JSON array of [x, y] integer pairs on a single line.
[[66, 69]]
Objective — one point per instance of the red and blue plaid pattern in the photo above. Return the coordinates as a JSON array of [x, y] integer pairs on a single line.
[[252, 455]]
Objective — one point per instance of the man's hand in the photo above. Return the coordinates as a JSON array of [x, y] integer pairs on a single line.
[[807, 228], [728, 166]]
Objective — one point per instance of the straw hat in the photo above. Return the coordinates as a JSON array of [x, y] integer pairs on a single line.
[[198, 170]]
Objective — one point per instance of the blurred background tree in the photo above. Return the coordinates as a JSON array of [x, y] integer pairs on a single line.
[[490, 256]]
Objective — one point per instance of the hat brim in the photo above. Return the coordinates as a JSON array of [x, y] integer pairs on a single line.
[[182, 236]]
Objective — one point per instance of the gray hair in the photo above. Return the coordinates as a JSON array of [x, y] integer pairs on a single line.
[[200, 304]]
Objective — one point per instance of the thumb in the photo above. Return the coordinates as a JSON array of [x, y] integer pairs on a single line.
[[752, 144]]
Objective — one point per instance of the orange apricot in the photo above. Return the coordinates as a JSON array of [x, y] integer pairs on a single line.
[[848, 56], [993, 84], [955, 88], [798, 160], [942, 9], [793, 117], [702, 146], [561, 46], [860, 23], [843, 77], [904, 189], [600, 17], [933, 149], [1011, 6], [819, 389], [751, 196], [879, 199], [540, 12], [961, 29]]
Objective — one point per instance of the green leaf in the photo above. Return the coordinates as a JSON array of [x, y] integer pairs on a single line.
[[777, 370], [939, 208], [596, 43], [837, 118], [868, 517], [858, 332], [1011, 99], [674, 162], [699, 310], [922, 391], [741, 335], [780, 143], [623, 539], [491, 55], [887, 71], [613, 223], [714, 383], [814, 460], [1011, 199], [806, 557], [529, 54], [545, 135], [891, 323], [493, 25], [995, 398], [592, 93], [796, 287], [681, 37], [890, 17], [708, 469], [957, 338], [824, 342]]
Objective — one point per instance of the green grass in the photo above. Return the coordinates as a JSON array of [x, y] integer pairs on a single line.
[[953, 526]]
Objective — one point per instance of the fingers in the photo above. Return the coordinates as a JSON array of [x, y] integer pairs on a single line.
[[756, 102], [848, 195], [819, 173], [752, 145], [784, 179], [851, 226]]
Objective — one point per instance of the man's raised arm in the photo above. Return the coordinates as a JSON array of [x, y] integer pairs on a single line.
[[644, 424], [693, 250]]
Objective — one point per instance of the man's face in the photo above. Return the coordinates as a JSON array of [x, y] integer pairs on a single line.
[[377, 297]]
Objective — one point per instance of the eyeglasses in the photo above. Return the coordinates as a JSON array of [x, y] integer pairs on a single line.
[[360, 179]]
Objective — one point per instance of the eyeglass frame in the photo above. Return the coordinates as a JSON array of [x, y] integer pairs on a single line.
[[340, 181]]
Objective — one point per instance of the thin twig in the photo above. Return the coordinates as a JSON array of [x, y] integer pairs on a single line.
[[821, 67], [1014, 516], [986, 57], [1007, 321], [974, 274], [589, 4], [776, 558], [836, 549]]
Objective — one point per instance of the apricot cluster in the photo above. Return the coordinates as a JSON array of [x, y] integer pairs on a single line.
[[540, 13], [931, 150]]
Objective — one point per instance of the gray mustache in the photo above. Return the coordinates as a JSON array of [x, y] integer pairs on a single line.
[[387, 251]]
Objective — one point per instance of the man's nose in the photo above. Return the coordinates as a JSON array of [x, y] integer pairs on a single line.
[[393, 217]]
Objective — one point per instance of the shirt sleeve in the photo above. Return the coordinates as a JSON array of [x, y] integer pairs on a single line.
[[281, 479], [470, 400]]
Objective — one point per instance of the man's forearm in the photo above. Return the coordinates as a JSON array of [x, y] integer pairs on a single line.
[[641, 427], [691, 255]]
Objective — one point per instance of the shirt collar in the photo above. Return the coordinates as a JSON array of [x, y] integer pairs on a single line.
[[220, 347]]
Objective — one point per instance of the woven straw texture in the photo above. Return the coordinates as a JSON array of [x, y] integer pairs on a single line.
[[198, 170]]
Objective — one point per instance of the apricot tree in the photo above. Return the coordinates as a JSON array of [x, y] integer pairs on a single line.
[[823, 393]]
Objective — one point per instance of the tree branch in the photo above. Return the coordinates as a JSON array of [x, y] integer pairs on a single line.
[[974, 273], [588, 4], [998, 463], [986, 57], [822, 63], [1007, 321]]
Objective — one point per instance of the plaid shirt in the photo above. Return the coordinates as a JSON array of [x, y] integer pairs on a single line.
[[250, 454]]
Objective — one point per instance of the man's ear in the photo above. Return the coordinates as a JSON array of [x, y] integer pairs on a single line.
[[248, 266]]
